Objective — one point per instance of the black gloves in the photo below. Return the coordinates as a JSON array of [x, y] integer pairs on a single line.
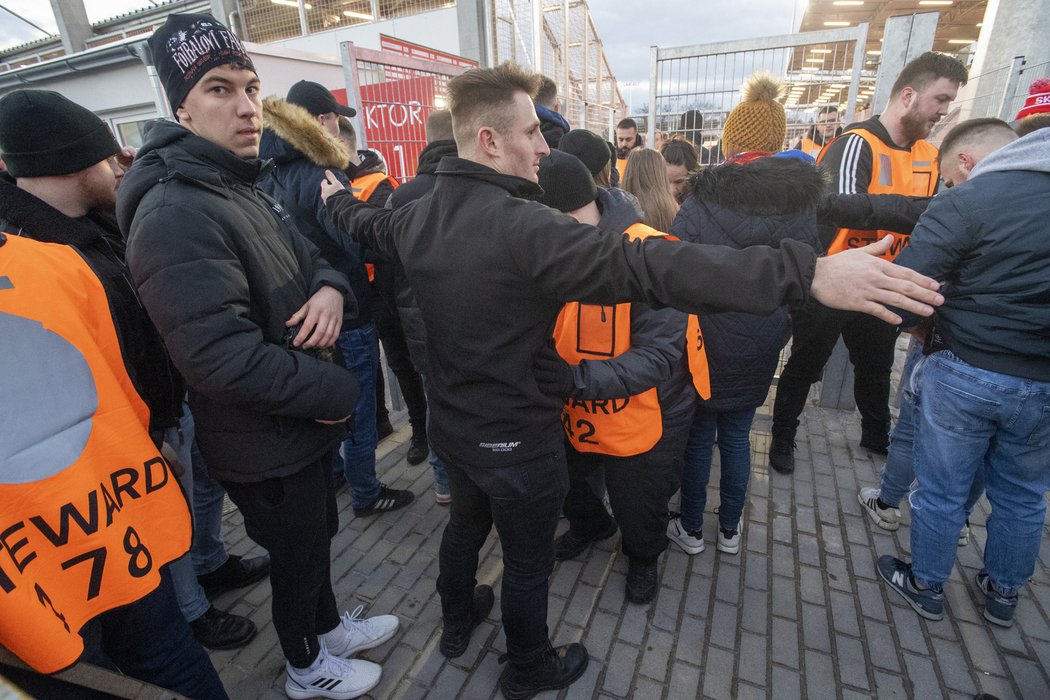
[[553, 374]]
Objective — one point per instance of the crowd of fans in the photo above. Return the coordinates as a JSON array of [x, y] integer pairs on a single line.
[[575, 325]]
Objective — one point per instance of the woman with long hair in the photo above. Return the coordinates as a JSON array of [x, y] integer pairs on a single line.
[[646, 179]]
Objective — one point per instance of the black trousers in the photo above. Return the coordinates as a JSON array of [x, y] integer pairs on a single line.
[[395, 347], [523, 501], [639, 488], [294, 518], [870, 342]]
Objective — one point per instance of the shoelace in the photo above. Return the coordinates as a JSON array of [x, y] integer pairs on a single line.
[[355, 621], [331, 666]]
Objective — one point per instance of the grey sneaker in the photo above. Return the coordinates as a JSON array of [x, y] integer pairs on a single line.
[[998, 608], [964, 534], [897, 575], [886, 518], [690, 542], [729, 540]]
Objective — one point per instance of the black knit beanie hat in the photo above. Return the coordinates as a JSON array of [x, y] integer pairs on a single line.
[[186, 47], [43, 134], [566, 182], [588, 146]]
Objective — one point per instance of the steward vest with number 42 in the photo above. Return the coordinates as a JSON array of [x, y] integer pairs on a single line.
[[893, 171], [621, 427], [89, 510], [364, 187]]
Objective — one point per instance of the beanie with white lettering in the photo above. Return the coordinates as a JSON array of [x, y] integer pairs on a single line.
[[187, 46]]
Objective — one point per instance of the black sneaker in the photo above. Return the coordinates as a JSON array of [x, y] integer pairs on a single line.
[[389, 499], [552, 670], [455, 638], [235, 572], [572, 544], [897, 574], [782, 454], [418, 449], [383, 428], [217, 629], [998, 608], [641, 582]]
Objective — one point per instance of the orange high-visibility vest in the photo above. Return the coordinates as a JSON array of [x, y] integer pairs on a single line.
[[893, 171], [89, 510], [363, 187], [621, 166], [620, 427], [810, 146]]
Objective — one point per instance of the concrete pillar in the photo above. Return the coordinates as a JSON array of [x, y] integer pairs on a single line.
[[1010, 28], [73, 24], [474, 17]]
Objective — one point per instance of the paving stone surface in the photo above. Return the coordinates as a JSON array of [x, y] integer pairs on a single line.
[[799, 613]]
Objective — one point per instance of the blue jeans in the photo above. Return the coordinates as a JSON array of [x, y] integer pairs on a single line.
[[437, 467], [189, 594], [360, 347], [732, 431], [209, 549], [523, 502], [972, 419]]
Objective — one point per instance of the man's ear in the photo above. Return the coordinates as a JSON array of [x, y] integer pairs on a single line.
[[907, 95], [966, 163], [488, 141], [181, 114]]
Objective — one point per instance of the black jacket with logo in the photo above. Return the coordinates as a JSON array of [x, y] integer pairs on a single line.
[[491, 271], [220, 268]]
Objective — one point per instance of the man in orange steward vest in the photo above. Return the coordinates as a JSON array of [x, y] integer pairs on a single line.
[[824, 130], [491, 271], [627, 139], [247, 307], [629, 398], [883, 155], [90, 512]]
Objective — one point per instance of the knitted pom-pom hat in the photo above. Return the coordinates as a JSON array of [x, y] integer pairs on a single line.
[[758, 123]]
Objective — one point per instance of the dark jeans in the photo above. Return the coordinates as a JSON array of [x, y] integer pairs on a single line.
[[815, 330], [149, 640], [638, 487], [392, 336], [294, 518], [523, 501]]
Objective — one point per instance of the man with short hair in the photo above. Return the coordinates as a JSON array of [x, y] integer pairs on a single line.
[[490, 271], [627, 139], [246, 305], [883, 155], [552, 124], [824, 129], [966, 144], [985, 382]]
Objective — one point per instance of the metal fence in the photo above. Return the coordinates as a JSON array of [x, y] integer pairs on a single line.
[[272, 20], [558, 38], [818, 69]]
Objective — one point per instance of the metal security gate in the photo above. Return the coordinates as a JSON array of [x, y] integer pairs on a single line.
[[394, 91], [818, 68]]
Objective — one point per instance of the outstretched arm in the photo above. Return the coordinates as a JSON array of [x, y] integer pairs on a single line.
[[859, 280]]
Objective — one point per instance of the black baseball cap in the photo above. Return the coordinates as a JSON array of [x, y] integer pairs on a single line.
[[317, 99]]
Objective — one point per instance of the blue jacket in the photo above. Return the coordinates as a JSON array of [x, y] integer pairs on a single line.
[[759, 203], [301, 151], [988, 241]]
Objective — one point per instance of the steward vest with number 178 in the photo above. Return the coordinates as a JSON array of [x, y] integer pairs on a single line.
[[364, 187], [621, 427], [89, 510], [893, 171]]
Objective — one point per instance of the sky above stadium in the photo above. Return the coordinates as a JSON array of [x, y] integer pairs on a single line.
[[627, 28]]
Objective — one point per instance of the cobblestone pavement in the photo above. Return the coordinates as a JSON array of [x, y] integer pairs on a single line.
[[799, 613]]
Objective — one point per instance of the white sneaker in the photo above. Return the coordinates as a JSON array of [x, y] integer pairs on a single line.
[[690, 542], [886, 518], [729, 540], [332, 677], [353, 634]]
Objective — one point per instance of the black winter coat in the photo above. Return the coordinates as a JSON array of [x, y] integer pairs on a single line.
[[220, 268], [491, 271], [761, 203], [301, 151], [98, 240]]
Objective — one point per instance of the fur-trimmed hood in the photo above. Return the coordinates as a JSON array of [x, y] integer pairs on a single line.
[[291, 132], [763, 187]]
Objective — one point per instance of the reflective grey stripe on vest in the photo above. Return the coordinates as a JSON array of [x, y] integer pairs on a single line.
[[885, 170]]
